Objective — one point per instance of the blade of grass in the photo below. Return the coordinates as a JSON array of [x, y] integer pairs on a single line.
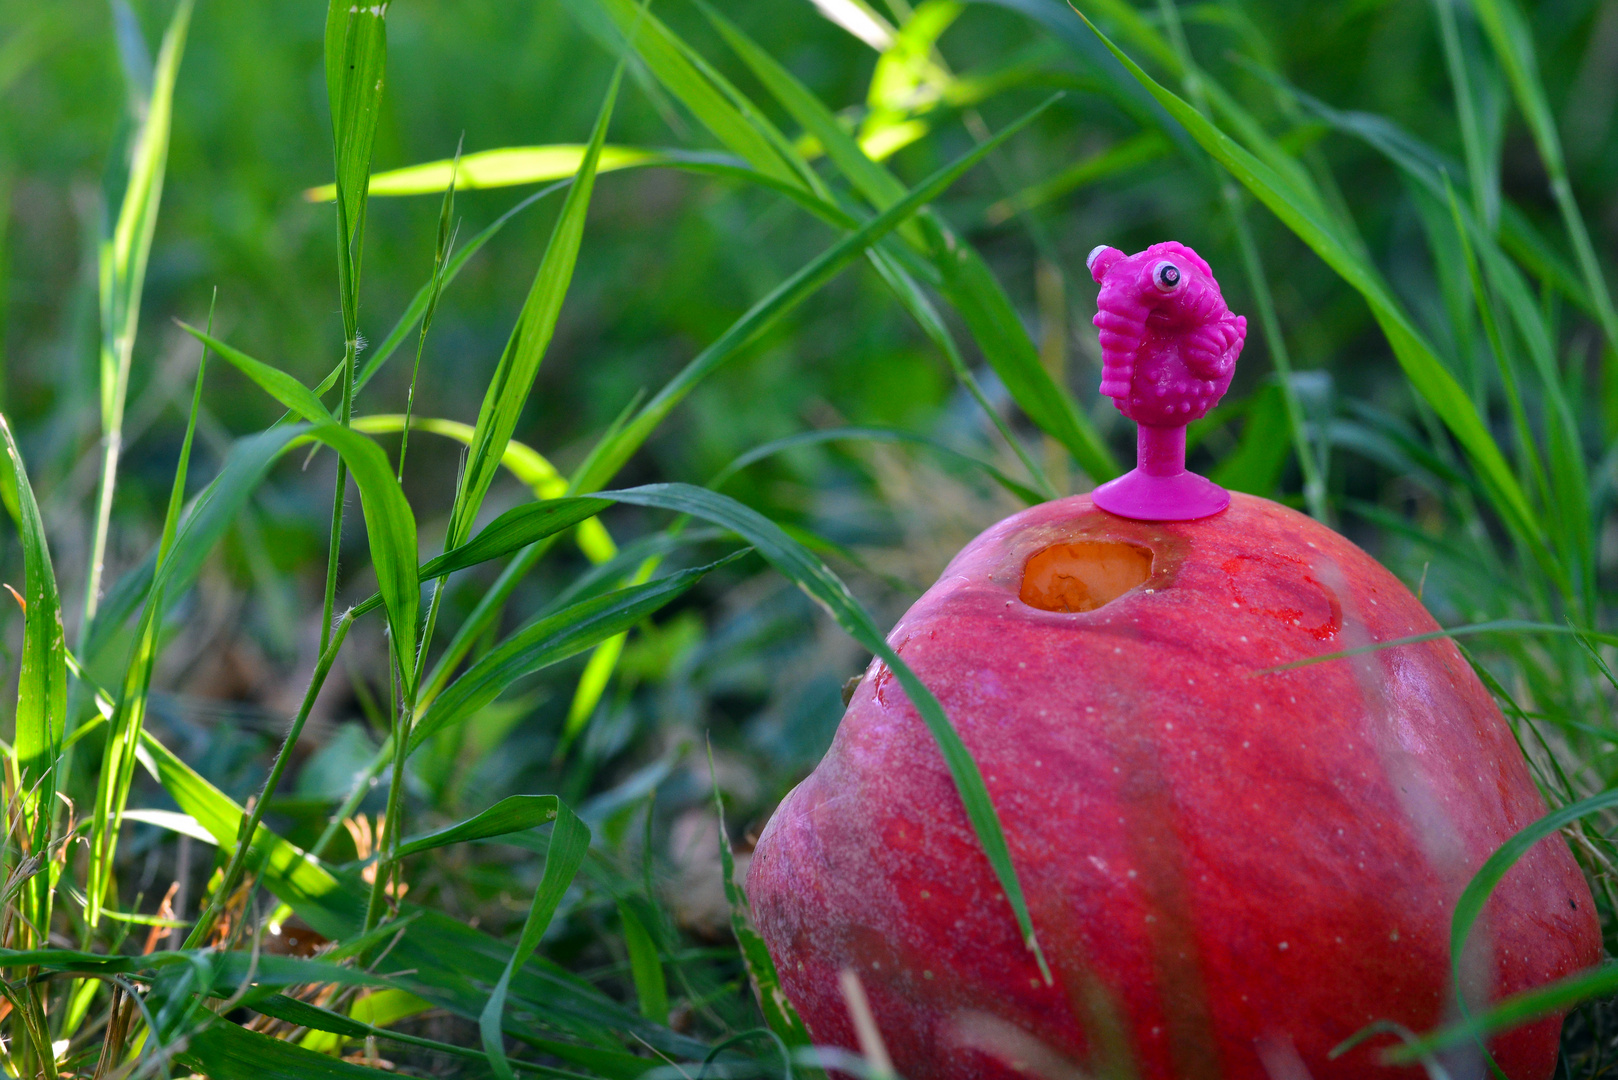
[[778, 1009], [550, 639], [441, 253], [1513, 43], [356, 65], [123, 257], [508, 389], [645, 965], [118, 754], [747, 135], [570, 840], [390, 524], [41, 688], [436, 957], [514, 813]]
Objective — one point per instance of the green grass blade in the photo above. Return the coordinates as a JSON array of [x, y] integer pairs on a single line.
[[911, 297], [779, 1012], [1476, 894], [1513, 43], [41, 685], [1260, 455], [1421, 366], [356, 67], [645, 965], [550, 639], [447, 230], [873, 434], [508, 389], [123, 257], [275, 382], [513, 530], [390, 528], [390, 524], [999, 332], [1552, 999], [226, 1051], [570, 840], [610, 455], [811, 575], [747, 134], [515, 813], [417, 308]]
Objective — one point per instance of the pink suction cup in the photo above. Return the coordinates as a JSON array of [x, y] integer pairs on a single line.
[[1168, 348]]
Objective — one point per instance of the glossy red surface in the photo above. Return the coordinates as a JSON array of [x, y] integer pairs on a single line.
[[1223, 866]]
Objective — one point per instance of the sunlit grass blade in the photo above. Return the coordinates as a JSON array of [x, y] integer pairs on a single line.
[[570, 839], [1421, 366], [123, 257], [514, 376], [41, 715], [508, 166], [609, 456], [514, 813]]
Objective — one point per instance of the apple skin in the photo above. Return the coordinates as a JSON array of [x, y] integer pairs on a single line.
[[1223, 866]]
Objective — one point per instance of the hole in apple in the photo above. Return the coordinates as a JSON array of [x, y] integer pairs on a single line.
[[1083, 576]]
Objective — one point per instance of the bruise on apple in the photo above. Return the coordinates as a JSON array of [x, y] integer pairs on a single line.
[[1224, 862]]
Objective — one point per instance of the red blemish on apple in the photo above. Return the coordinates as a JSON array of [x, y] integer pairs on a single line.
[[1282, 588]]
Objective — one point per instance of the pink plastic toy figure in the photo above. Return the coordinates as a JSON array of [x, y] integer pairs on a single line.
[[1168, 347]]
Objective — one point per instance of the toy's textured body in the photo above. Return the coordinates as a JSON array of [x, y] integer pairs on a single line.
[[1168, 342], [1224, 866]]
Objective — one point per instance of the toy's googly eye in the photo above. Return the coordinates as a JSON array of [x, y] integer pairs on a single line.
[[1166, 276], [1090, 259]]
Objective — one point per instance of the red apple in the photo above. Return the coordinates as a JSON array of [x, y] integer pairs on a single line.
[[1230, 869]]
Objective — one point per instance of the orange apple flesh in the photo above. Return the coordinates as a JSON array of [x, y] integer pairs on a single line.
[[1231, 869]]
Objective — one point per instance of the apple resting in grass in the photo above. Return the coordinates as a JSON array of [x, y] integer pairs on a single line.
[[1230, 868]]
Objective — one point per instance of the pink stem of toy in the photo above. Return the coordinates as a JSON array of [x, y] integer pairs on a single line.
[[1160, 451]]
